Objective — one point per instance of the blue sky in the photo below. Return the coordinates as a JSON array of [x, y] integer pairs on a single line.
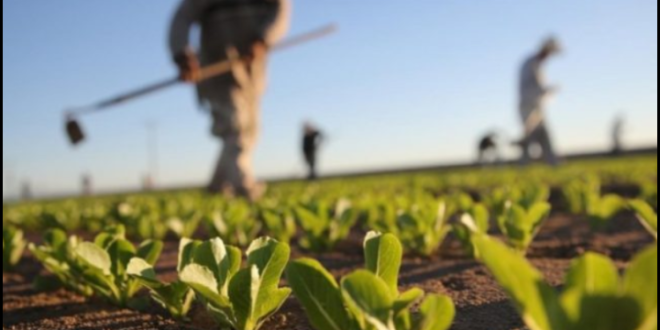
[[403, 83]]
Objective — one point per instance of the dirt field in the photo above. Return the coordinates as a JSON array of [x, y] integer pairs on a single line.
[[481, 303]]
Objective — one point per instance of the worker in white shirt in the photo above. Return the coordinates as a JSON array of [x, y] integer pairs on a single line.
[[534, 95]]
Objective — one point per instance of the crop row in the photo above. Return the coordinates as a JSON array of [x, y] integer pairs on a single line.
[[242, 294], [421, 221]]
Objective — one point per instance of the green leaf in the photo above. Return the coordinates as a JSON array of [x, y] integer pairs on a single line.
[[203, 281], [481, 217], [369, 298], [641, 280], [602, 210], [468, 222], [187, 248], [212, 255], [383, 254], [593, 274], [610, 205], [535, 300], [309, 221], [95, 257], [55, 238], [402, 306], [103, 285], [243, 293], [121, 252], [437, 313], [270, 257], [177, 297], [144, 272], [108, 236], [590, 280], [268, 307], [13, 245], [603, 312], [646, 215], [150, 251], [521, 226], [234, 260], [407, 300], [319, 295]]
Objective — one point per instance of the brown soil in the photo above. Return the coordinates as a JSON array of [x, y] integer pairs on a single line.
[[482, 305]]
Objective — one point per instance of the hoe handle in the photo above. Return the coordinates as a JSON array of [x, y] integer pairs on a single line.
[[208, 72]]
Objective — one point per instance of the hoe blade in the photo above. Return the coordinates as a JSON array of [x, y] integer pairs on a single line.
[[74, 131]]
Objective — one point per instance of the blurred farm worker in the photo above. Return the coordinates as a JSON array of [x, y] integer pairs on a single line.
[[86, 185], [488, 149], [617, 135], [26, 191], [230, 29], [312, 139], [534, 95]]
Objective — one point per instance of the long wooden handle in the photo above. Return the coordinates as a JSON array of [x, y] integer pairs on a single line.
[[208, 72]]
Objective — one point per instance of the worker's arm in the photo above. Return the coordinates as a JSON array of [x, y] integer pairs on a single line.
[[541, 83], [276, 26], [272, 28], [188, 13]]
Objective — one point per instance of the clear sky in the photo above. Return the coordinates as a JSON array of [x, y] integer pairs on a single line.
[[403, 83]]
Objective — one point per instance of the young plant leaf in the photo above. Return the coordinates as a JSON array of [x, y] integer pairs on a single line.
[[95, 257], [13, 245], [370, 299], [383, 255], [436, 313], [536, 301], [641, 280], [319, 295], [203, 281], [647, 216], [150, 251]]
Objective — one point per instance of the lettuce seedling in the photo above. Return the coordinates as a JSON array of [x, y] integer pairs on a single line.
[[176, 297], [520, 226], [476, 221], [235, 224], [13, 245], [105, 263], [594, 296], [381, 216], [142, 218], [184, 226], [462, 201], [280, 224], [367, 299], [646, 215], [240, 299], [602, 209], [580, 194], [423, 229], [525, 196], [533, 194], [324, 227], [57, 255], [584, 198]]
